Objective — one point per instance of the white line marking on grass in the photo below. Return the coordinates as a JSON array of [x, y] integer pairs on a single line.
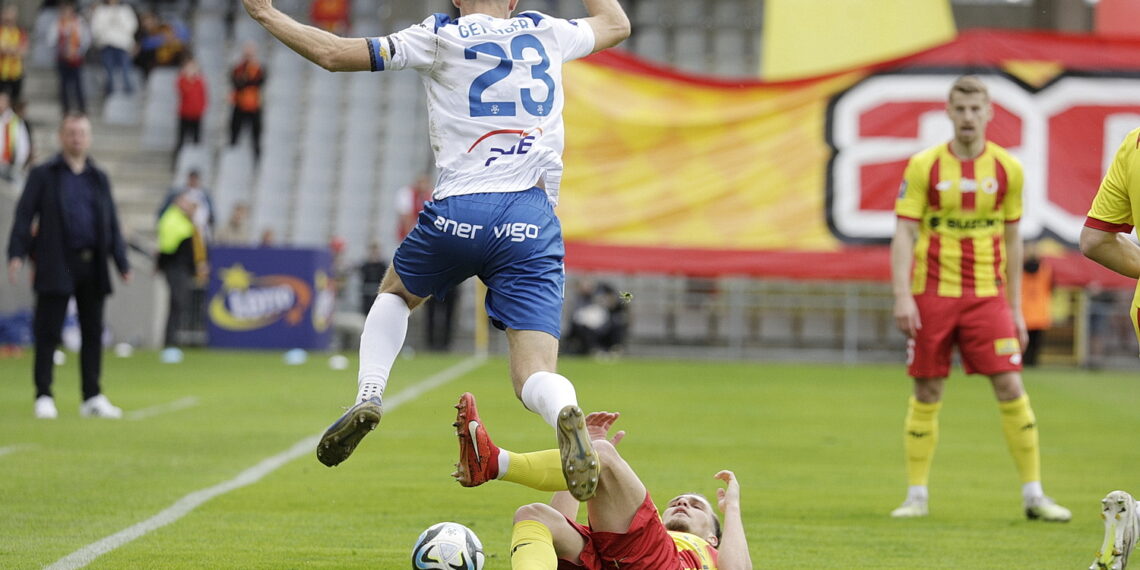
[[185, 505], [182, 404], [14, 448]]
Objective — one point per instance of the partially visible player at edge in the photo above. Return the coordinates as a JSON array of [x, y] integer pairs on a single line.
[[1105, 239], [494, 94], [956, 275], [1105, 236]]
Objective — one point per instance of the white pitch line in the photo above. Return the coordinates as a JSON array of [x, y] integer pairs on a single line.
[[14, 448], [185, 505], [182, 404]]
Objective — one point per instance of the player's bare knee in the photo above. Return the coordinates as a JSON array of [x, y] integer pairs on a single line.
[[606, 451], [539, 512], [928, 390], [1007, 386]]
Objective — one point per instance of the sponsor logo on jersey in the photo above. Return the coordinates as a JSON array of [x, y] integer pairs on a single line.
[[962, 224], [515, 141]]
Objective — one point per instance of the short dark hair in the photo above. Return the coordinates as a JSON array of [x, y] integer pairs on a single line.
[[72, 116]]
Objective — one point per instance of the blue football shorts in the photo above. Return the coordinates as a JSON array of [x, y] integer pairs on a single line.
[[511, 240]]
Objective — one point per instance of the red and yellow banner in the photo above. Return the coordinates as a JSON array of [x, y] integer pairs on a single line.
[[668, 172]]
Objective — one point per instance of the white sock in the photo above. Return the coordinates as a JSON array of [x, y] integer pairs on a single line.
[[380, 343], [917, 493], [1032, 491], [546, 393], [504, 463]]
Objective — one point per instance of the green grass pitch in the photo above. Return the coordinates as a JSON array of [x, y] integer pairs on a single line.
[[817, 449]]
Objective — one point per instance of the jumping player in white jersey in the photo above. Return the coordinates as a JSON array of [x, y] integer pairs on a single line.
[[494, 94]]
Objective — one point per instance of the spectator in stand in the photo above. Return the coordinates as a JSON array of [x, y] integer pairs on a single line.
[[1036, 301], [194, 191], [192, 100], [236, 230], [182, 260], [70, 38], [330, 15], [15, 142], [113, 27], [599, 322], [268, 238], [20, 107], [13, 48], [410, 202], [247, 78], [371, 274], [161, 43]]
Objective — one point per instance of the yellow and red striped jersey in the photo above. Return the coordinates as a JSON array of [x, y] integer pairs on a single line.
[[962, 207], [694, 552], [1116, 207]]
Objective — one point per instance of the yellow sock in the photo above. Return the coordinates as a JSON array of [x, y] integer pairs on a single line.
[[532, 547], [920, 437], [1020, 427], [540, 470]]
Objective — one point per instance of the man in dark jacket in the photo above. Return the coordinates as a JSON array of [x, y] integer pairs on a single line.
[[66, 223]]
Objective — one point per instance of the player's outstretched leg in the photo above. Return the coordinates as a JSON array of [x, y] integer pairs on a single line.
[[580, 464], [478, 457], [1120, 528], [342, 437]]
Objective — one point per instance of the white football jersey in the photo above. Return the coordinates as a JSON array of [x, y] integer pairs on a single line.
[[494, 95]]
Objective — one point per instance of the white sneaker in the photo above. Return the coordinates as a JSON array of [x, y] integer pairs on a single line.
[[911, 508], [99, 407], [1120, 529], [45, 408], [1043, 508]]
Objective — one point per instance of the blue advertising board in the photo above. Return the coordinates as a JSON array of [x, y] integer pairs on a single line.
[[270, 298]]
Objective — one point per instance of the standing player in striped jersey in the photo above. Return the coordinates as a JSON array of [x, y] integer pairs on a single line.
[[1115, 209], [956, 275], [494, 96]]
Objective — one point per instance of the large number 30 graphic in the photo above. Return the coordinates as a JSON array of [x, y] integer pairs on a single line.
[[481, 108]]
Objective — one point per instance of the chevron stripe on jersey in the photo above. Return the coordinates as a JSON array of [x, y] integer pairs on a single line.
[[962, 207]]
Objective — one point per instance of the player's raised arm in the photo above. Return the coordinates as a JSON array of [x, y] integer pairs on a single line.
[[732, 552], [609, 22], [325, 49]]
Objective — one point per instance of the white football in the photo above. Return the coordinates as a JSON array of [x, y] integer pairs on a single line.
[[447, 546]]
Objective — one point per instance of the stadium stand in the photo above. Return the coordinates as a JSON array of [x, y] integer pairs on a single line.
[[337, 147]]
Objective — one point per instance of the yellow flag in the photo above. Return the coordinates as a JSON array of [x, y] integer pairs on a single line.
[[803, 38]]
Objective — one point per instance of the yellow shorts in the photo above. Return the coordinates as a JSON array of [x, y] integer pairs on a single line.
[[1135, 314]]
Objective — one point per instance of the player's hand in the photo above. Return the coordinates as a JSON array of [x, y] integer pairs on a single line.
[[1022, 329], [906, 316], [126, 277], [730, 494], [14, 266], [598, 425]]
